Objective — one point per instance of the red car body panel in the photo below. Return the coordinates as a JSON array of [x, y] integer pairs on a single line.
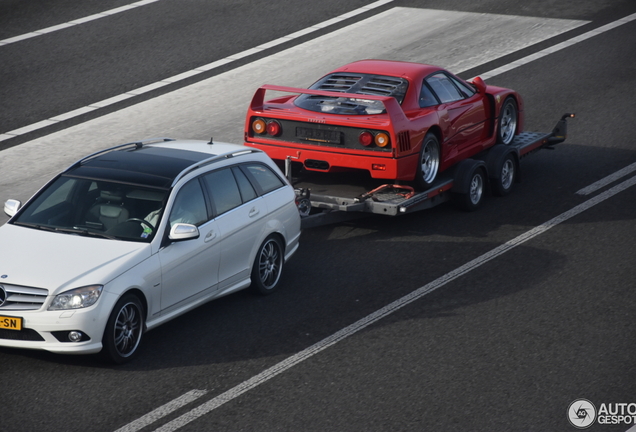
[[324, 141]]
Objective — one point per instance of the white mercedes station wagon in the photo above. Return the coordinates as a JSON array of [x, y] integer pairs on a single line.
[[135, 235]]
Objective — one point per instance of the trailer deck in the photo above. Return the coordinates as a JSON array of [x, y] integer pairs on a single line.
[[325, 198]]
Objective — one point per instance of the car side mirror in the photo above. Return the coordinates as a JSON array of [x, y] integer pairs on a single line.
[[182, 231], [11, 207], [480, 85]]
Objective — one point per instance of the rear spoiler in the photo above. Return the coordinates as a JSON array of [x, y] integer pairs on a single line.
[[391, 105]]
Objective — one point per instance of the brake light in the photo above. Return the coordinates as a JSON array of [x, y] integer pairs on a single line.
[[273, 128], [365, 138]]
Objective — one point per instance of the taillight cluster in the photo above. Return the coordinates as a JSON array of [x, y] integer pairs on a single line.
[[269, 127], [380, 139]]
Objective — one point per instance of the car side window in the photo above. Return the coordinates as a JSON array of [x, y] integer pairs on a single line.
[[466, 90], [247, 190], [189, 206], [223, 189], [265, 177], [427, 98], [444, 88]]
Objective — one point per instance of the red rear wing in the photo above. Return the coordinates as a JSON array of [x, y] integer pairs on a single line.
[[392, 107]]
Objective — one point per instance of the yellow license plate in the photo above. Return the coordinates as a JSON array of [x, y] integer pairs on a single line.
[[10, 323]]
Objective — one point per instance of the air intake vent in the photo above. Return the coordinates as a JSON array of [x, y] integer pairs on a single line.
[[383, 86], [404, 141], [340, 83]]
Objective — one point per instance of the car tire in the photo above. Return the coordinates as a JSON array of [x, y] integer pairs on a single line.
[[428, 162], [472, 195], [507, 124], [268, 266], [124, 331]]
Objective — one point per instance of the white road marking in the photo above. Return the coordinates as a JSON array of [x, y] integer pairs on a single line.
[[75, 22], [387, 310], [560, 46], [173, 79], [607, 180], [162, 411]]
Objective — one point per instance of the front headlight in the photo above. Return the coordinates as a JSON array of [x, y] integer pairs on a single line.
[[76, 298]]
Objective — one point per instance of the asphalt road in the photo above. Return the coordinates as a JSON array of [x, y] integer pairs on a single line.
[[508, 345]]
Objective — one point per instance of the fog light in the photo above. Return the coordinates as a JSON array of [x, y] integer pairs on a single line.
[[75, 336]]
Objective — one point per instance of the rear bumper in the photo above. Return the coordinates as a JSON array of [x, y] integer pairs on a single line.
[[379, 167]]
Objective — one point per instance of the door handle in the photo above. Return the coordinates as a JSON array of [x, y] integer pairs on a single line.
[[253, 212], [209, 236]]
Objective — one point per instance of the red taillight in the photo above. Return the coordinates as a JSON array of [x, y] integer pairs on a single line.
[[273, 128], [365, 138]]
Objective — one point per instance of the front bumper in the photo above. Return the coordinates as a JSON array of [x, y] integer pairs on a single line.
[[39, 329]]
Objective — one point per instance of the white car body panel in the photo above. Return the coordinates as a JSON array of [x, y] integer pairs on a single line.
[[54, 264]]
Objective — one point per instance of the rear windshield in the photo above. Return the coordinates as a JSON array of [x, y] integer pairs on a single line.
[[362, 84]]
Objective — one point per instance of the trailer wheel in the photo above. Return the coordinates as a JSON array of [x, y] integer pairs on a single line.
[[507, 125], [428, 165], [472, 181], [505, 176]]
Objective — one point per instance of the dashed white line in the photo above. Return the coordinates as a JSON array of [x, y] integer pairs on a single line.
[[184, 75], [75, 22], [286, 364], [607, 180], [162, 411]]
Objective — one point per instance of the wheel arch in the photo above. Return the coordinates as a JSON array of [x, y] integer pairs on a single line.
[[137, 292], [437, 131]]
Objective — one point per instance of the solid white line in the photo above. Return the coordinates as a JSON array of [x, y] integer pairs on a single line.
[[286, 364], [162, 411], [75, 22], [607, 180], [558, 47], [181, 76]]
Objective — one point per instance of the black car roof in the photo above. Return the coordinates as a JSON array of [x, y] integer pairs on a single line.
[[148, 165]]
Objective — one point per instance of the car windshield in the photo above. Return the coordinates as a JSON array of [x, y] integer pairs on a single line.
[[98, 208], [362, 84]]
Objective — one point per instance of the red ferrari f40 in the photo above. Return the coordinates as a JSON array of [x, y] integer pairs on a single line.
[[397, 120]]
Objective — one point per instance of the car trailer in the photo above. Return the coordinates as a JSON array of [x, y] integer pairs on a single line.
[[332, 198]]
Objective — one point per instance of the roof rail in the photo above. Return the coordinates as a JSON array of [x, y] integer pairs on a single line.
[[137, 144], [213, 159]]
